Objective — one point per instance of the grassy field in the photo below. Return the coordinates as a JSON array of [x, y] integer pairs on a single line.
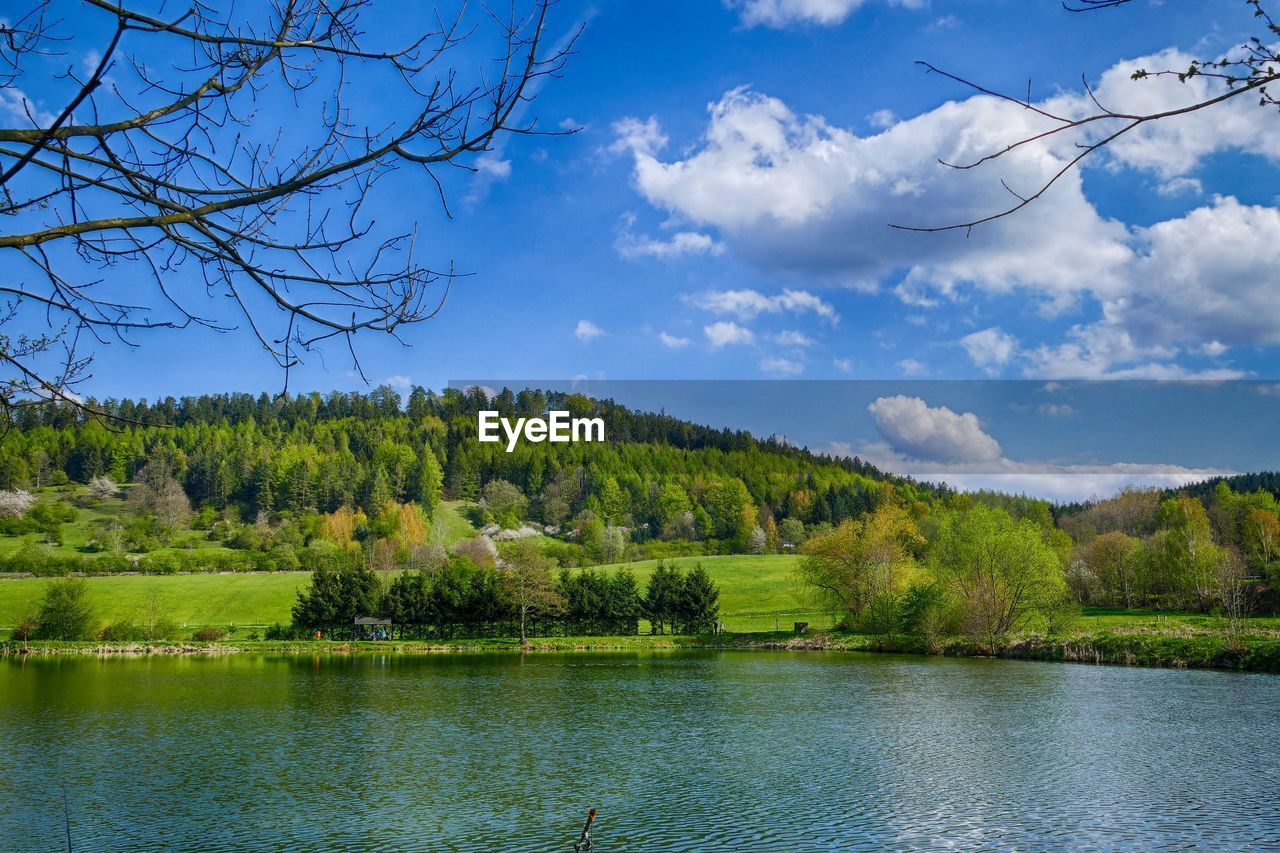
[[192, 600], [756, 594]]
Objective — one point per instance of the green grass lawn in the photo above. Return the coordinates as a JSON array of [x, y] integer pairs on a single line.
[[1110, 619], [757, 593], [193, 600]]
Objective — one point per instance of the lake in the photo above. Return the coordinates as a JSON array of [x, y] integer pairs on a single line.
[[678, 751]]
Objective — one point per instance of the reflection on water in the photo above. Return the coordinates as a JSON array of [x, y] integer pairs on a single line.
[[681, 751]]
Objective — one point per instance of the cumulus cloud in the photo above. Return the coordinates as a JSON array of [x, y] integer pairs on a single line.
[[399, 380], [917, 430], [746, 305], [587, 331], [937, 444], [491, 165], [21, 110], [638, 136], [990, 348], [912, 367], [792, 338], [794, 193], [781, 366], [632, 246], [1049, 481], [726, 333], [673, 341], [785, 13]]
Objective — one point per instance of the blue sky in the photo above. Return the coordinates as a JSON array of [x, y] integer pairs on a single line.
[[567, 242], [723, 211]]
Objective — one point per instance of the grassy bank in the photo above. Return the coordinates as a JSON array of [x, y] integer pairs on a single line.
[[757, 597], [1257, 653]]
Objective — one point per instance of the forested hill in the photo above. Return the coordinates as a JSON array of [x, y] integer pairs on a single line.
[[316, 454], [1267, 481]]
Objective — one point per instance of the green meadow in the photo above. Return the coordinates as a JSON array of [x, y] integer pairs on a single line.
[[757, 594]]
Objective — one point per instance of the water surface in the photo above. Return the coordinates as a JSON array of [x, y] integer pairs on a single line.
[[679, 751]]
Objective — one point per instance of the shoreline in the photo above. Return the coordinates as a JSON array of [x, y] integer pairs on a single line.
[[1256, 654]]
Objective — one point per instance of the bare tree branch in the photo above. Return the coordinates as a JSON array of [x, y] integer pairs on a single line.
[[237, 149], [1252, 69]]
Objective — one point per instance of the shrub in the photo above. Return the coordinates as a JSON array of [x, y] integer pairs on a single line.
[[209, 634], [124, 630], [65, 612], [281, 632], [162, 629]]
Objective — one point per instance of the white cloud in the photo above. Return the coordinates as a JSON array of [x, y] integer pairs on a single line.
[[1105, 351], [793, 193], [1056, 410], [882, 119], [1180, 186], [636, 136], [399, 381], [990, 348], [1207, 276], [1172, 148], [21, 110], [844, 365], [673, 341], [587, 331], [784, 13], [632, 246], [725, 333], [781, 366], [912, 367], [491, 165], [936, 444], [746, 305], [1049, 481], [919, 431], [792, 338]]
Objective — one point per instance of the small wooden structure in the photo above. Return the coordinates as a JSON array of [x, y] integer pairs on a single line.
[[369, 625], [802, 627]]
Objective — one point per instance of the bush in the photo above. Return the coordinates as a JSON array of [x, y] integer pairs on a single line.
[[124, 630], [65, 612], [281, 632], [209, 634]]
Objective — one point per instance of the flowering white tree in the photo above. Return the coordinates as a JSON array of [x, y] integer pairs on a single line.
[[15, 503], [101, 487]]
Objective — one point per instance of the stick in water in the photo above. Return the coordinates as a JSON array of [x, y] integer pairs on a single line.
[[584, 841], [66, 815]]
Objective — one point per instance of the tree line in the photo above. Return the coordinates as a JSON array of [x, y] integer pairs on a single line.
[[519, 594]]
